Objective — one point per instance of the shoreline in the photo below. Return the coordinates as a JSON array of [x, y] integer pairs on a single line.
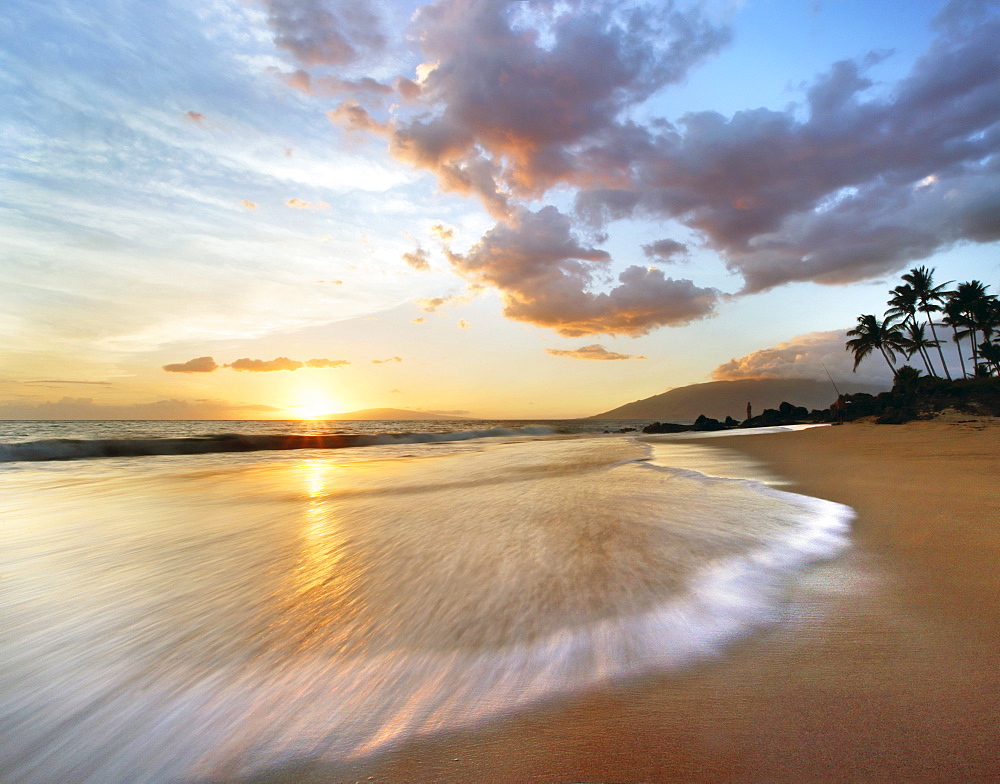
[[888, 667]]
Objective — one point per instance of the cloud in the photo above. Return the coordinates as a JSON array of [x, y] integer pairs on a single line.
[[383, 361], [265, 366], [515, 100], [208, 365], [519, 93], [593, 351], [299, 204], [442, 232], [418, 259], [463, 324], [325, 32], [857, 189], [351, 115], [62, 382], [248, 204], [199, 365], [665, 250], [544, 276], [196, 117], [85, 408], [431, 304], [328, 85], [812, 356], [326, 363]]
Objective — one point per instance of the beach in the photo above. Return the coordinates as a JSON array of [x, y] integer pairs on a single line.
[[887, 668], [508, 608]]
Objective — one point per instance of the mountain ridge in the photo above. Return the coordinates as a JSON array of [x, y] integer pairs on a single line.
[[719, 399]]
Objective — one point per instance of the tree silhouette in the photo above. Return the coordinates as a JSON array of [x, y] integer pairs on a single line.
[[903, 304], [928, 295], [871, 334]]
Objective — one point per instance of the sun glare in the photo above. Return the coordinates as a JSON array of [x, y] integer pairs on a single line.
[[312, 404]]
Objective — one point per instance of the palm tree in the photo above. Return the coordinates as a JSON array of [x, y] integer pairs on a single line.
[[954, 318], [915, 341], [974, 312], [903, 304], [871, 334], [991, 353], [922, 281]]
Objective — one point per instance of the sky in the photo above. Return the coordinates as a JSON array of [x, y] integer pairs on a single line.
[[274, 209]]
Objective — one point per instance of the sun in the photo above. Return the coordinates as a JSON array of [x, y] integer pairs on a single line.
[[311, 404]]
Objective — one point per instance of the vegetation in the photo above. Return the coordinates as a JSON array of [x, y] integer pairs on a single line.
[[972, 314], [914, 307], [969, 310]]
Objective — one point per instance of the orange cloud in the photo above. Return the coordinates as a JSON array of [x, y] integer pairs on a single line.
[[265, 366], [593, 351], [442, 232], [383, 361], [417, 259], [248, 204], [326, 363], [816, 355], [300, 204], [199, 365]]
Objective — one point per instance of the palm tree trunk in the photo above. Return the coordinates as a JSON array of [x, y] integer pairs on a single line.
[[940, 352], [924, 355], [888, 362], [961, 359]]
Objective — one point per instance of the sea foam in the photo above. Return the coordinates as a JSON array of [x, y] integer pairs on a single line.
[[178, 623]]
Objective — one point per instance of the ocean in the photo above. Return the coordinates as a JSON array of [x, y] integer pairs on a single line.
[[196, 601]]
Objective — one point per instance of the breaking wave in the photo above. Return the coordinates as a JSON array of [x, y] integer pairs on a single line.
[[75, 449]]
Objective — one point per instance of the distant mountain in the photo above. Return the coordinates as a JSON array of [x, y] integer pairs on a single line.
[[397, 414], [719, 399]]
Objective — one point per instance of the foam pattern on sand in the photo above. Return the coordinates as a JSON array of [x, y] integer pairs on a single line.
[[205, 621]]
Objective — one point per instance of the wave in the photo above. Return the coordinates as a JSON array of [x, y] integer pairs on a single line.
[[76, 449], [324, 615]]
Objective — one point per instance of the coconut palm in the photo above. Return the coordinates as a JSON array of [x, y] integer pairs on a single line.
[[928, 295], [991, 353], [871, 334], [903, 304], [974, 313], [916, 342], [954, 318]]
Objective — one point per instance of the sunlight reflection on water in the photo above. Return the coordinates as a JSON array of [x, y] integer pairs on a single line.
[[172, 617]]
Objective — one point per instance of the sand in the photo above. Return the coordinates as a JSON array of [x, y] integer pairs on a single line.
[[886, 669]]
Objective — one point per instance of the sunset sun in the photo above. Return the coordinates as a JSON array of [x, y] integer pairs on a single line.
[[311, 404]]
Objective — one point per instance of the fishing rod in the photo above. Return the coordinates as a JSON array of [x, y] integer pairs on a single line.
[[831, 378]]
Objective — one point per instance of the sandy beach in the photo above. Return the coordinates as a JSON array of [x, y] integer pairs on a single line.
[[887, 667]]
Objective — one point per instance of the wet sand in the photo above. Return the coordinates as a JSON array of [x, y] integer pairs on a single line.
[[887, 667]]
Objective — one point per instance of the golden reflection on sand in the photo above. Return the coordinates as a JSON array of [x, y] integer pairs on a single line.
[[319, 602]]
